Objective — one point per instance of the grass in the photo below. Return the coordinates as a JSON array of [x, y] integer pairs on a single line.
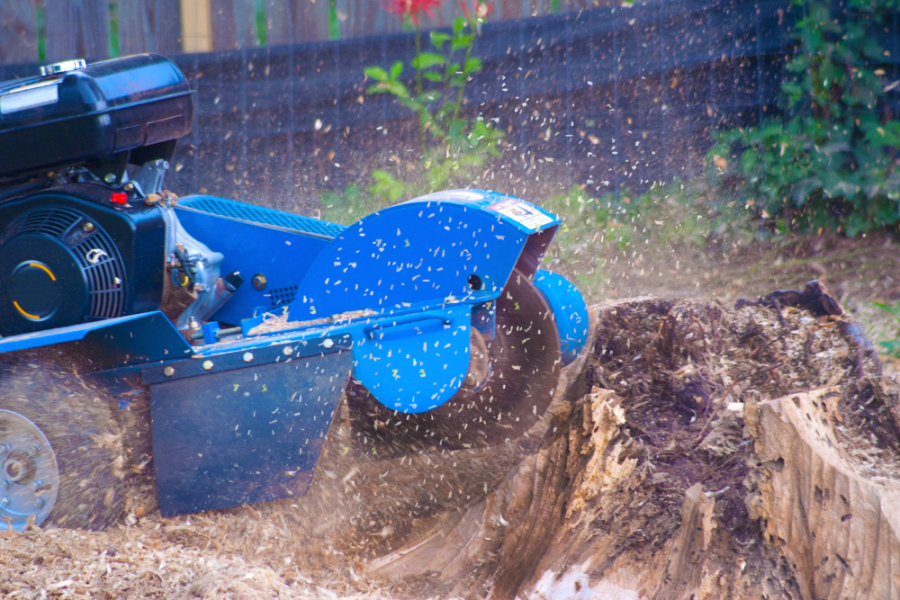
[[891, 347], [679, 219]]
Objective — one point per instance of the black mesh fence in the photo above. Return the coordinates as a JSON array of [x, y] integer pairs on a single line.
[[606, 97]]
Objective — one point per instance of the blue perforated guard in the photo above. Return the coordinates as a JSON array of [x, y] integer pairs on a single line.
[[265, 216]]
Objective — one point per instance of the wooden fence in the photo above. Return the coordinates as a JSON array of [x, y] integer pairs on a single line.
[[53, 30]]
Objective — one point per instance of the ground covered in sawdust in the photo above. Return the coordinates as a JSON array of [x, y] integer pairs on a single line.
[[682, 372]]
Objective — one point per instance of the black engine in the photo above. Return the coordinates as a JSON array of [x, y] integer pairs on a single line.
[[66, 258], [85, 232]]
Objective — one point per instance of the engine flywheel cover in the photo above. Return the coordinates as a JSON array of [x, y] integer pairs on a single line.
[[44, 285], [35, 290]]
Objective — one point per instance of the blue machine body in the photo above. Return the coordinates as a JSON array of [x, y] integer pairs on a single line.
[[242, 418], [569, 310]]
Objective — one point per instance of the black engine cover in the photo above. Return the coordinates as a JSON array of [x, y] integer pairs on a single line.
[[68, 256]]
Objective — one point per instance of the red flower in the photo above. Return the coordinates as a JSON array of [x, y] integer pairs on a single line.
[[411, 7], [480, 10]]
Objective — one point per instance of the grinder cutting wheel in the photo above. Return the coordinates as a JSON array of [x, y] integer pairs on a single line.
[[432, 314]]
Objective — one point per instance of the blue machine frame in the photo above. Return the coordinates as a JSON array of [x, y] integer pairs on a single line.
[[410, 281]]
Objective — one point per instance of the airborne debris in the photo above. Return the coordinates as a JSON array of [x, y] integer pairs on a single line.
[[667, 421]]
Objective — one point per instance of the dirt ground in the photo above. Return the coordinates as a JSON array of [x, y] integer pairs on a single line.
[[655, 473]]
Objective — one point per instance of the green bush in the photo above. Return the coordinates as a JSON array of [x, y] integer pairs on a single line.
[[831, 162]]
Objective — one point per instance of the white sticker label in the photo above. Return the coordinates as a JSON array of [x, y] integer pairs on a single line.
[[521, 213], [452, 195]]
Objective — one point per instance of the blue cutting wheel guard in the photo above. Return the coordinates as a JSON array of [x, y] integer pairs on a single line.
[[570, 312]]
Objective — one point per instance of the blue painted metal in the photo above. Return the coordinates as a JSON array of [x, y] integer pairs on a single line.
[[407, 261], [420, 253], [521, 214], [243, 435], [131, 340], [570, 311], [415, 362], [264, 216], [279, 246], [282, 348]]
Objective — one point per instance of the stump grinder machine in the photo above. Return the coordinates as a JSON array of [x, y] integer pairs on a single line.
[[210, 343]]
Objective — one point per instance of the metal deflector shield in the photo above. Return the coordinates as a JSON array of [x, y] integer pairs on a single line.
[[245, 435]]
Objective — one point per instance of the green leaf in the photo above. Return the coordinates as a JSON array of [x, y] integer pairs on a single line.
[[461, 42], [749, 161], [394, 87], [432, 76], [411, 104], [439, 39], [792, 88], [459, 24], [430, 96], [473, 64], [376, 73], [427, 59], [396, 69]]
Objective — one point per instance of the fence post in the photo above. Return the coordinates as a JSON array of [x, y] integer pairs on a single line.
[[233, 24], [77, 29], [310, 20], [196, 26], [18, 32]]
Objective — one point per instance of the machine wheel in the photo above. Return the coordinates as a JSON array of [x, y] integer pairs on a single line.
[[524, 365], [60, 448]]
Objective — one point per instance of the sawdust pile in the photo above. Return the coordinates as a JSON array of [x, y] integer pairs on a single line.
[[144, 562], [682, 457]]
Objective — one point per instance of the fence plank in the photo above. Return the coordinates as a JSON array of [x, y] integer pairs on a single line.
[[279, 22], [360, 18], [508, 9], [77, 29], [18, 32], [310, 20], [233, 24], [149, 26]]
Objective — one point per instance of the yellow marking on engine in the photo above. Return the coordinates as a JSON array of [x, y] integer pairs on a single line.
[[44, 269], [25, 314]]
